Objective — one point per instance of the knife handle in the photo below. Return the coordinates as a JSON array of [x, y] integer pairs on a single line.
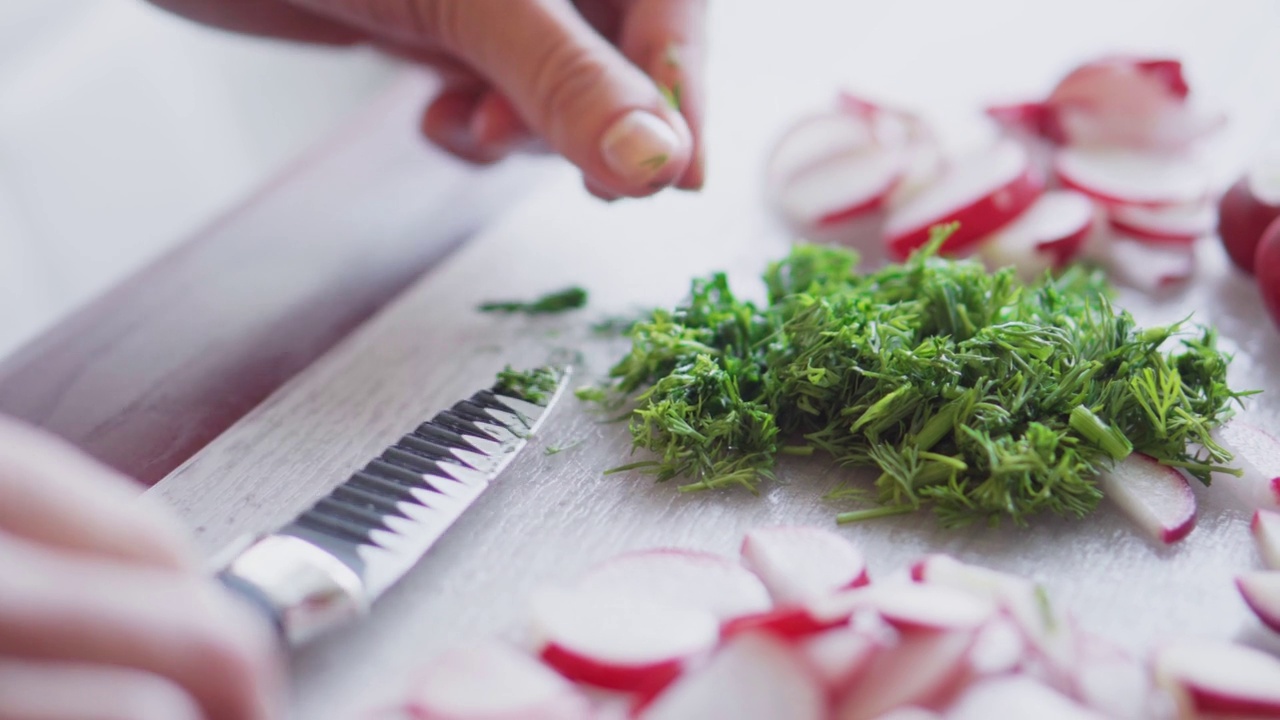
[[302, 589]]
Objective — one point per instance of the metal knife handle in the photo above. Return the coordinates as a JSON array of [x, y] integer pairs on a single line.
[[302, 589]]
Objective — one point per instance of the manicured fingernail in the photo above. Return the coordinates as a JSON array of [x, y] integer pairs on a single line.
[[639, 146]]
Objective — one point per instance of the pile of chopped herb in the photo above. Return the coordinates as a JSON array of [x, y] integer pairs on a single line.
[[560, 301], [969, 392]]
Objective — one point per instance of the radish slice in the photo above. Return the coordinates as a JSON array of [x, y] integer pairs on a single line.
[[1157, 497], [752, 678], [998, 649], [682, 578], [1266, 531], [910, 713], [1050, 234], [983, 192], [619, 642], [923, 668], [839, 657], [494, 682], [1017, 697], [915, 606], [1112, 682], [1257, 453], [1220, 679], [798, 564], [1035, 119], [793, 622], [1149, 268], [1178, 224], [1261, 591], [1133, 178]]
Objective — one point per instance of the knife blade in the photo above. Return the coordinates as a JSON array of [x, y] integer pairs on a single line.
[[327, 566]]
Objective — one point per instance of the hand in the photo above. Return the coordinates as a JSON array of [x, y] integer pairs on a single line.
[[104, 612], [588, 78]]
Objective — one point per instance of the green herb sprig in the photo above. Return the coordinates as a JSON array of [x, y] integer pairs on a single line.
[[966, 391], [560, 301]]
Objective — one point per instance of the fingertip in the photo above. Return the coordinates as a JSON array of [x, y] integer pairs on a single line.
[[447, 122], [599, 191]]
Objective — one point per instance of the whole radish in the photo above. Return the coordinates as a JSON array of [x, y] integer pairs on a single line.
[[1244, 213], [1266, 265]]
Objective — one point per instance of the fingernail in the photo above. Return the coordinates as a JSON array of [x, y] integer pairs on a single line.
[[639, 146]]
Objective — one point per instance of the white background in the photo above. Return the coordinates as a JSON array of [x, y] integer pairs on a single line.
[[123, 129]]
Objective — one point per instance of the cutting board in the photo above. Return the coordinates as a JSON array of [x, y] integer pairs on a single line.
[[552, 515]]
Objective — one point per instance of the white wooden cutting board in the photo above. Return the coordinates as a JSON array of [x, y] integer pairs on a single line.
[[552, 515]]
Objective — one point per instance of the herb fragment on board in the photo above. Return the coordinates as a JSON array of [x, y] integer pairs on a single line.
[[557, 449], [560, 301], [964, 391], [535, 386]]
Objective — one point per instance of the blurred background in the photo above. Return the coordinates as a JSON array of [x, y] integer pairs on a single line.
[[123, 129]]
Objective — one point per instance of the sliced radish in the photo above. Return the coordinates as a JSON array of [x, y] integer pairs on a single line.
[[683, 578], [1261, 591], [1220, 679], [1247, 209], [1156, 497], [1133, 178], [915, 606], [1031, 118], [1266, 531], [1257, 453], [998, 649], [753, 677], [923, 668], [983, 192], [1127, 102], [1050, 234], [798, 564], [1267, 267], [839, 657], [792, 622], [1016, 697], [910, 713], [1149, 268], [494, 682], [1177, 224], [1111, 681], [619, 642]]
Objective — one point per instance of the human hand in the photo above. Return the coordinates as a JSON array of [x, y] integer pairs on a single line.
[[104, 610], [585, 77]]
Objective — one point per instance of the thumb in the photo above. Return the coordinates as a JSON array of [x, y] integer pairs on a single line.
[[575, 90], [568, 84]]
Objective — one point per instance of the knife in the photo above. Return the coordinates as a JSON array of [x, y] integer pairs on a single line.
[[327, 566]]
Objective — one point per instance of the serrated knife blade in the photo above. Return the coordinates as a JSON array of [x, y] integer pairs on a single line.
[[331, 562]]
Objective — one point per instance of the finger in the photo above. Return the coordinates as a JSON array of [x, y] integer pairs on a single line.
[[182, 628], [71, 691], [447, 123], [496, 126], [570, 86], [599, 192], [264, 17], [667, 39], [53, 494]]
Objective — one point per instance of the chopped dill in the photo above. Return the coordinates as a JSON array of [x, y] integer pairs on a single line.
[[557, 449], [536, 385], [560, 301], [967, 392]]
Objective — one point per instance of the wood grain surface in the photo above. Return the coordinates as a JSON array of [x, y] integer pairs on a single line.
[[146, 375], [550, 516]]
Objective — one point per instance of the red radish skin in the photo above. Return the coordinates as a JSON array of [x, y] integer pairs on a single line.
[[619, 642], [1120, 177], [789, 623], [983, 192], [1261, 592], [1266, 266], [494, 682], [922, 669], [1257, 454], [753, 677], [1220, 679], [683, 578], [1266, 532], [1156, 497], [1050, 234], [1245, 211], [1177, 225], [798, 564]]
